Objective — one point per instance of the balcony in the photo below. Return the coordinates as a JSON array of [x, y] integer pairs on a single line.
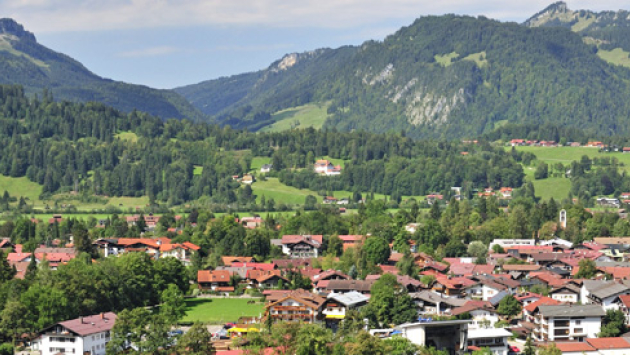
[[290, 308]]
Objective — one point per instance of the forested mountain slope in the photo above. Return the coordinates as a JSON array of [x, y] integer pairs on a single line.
[[607, 29], [448, 76], [25, 62]]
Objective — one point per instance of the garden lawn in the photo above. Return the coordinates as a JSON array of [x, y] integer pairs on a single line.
[[221, 310]]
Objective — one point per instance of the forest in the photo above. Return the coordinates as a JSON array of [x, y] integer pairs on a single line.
[[70, 147]]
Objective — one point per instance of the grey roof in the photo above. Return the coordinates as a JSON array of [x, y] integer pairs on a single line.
[[348, 299], [498, 297], [433, 297], [590, 310], [604, 289], [612, 264]]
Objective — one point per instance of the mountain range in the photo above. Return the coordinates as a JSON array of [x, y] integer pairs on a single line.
[[24, 61], [448, 76], [440, 77]]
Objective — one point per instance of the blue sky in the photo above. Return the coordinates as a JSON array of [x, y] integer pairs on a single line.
[[168, 43]]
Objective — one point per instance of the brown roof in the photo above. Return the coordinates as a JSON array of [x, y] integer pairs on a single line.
[[228, 260], [350, 285], [89, 325], [516, 267], [293, 239]]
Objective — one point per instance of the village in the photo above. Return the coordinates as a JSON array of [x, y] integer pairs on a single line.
[[522, 292]]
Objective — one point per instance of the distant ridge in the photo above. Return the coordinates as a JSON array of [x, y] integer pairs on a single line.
[[25, 62]]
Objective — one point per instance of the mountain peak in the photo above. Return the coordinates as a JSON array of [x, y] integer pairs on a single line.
[[549, 12], [11, 27]]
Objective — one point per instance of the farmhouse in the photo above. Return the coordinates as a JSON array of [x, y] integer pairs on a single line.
[[325, 167], [266, 168]]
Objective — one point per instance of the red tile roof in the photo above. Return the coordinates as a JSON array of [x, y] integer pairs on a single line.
[[543, 301], [213, 276], [257, 266], [574, 347], [608, 343], [625, 299]]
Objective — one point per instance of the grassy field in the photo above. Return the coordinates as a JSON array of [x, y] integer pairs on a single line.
[[20, 187], [446, 59], [127, 136], [558, 188], [220, 310], [258, 162], [617, 56], [566, 155], [272, 188], [311, 115], [197, 170]]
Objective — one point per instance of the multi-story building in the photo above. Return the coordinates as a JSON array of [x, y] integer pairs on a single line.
[[297, 306], [81, 336], [567, 322], [495, 339], [302, 246]]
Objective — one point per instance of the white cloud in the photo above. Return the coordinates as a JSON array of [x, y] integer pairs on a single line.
[[41, 16], [149, 52]]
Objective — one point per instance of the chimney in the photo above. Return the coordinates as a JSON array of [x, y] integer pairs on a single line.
[[81, 319], [102, 315]]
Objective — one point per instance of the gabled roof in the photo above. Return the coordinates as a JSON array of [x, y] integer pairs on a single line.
[[89, 325], [625, 299], [494, 301], [228, 260], [528, 295], [328, 274], [294, 239], [213, 276], [608, 343], [473, 306], [433, 297], [574, 347]]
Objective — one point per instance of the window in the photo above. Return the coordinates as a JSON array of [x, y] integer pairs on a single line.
[[578, 322]]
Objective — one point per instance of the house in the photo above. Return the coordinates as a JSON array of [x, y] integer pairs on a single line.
[[325, 167], [228, 260], [505, 243], [217, 280], [81, 336], [429, 302], [484, 289], [602, 293], [251, 222], [345, 286], [351, 241], [182, 252], [451, 335], [623, 304], [610, 346], [495, 339], [302, 246], [266, 168], [517, 142], [568, 293], [575, 348], [483, 314], [595, 144], [567, 323], [248, 179], [432, 198], [528, 298], [506, 192], [299, 305], [329, 200], [265, 279], [452, 286], [6, 246], [608, 202], [337, 306]]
